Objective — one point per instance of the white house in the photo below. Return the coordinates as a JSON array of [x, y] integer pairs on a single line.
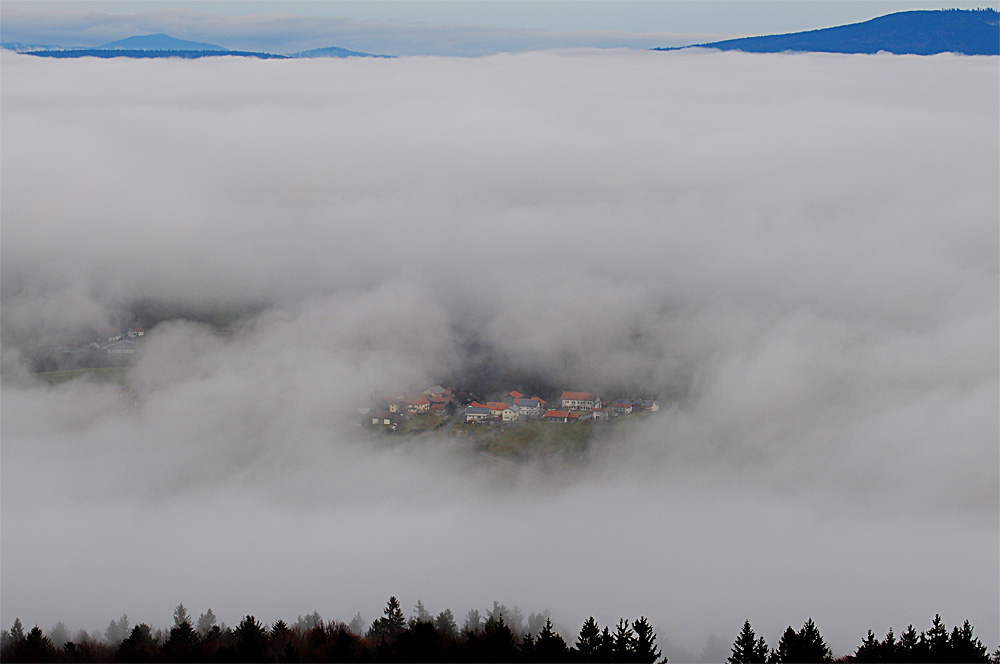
[[580, 401]]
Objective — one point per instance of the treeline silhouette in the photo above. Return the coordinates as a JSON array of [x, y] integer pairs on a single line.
[[500, 636]]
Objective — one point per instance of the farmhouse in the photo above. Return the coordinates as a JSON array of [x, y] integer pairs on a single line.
[[580, 401], [476, 413], [557, 416], [510, 413]]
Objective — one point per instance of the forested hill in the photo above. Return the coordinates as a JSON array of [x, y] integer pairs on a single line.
[[970, 32]]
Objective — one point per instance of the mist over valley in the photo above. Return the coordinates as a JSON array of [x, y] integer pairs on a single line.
[[795, 255]]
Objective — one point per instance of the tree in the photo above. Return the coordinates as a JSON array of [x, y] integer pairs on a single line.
[[536, 621], [310, 621], [550, 646], [803, 647], [624, 641], [498, 640], [138, 646], [936, 640], [387, 628], [394, 615], [788, 649], [420, 613], [588, 643], [445, 622], [182, 643], [473, 622], [250, 640], [606, 651], [747, 648], [357, 624], [965, 647], [206, 622], [870, 649], [911, 646], [181, 615], [58, 635], [31, 647], [645, 649], [117, 631]]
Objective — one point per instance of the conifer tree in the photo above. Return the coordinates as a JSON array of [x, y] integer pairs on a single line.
[[624, 641], [32, 647], [788, 648], [814, 648], [803, 647], [117, 631], [138, 646], [606, 651], [965, 647], [910, 648], [870, 649], [550, 646], [473, 622], [588, 644], [206, 622], [182, 643], [420, 613], [357, 624], [527, 648], [58, 635], [181, 615], [445, 622], [394, 616], [888, 647], [645, 649], [936, 640], [747, 648], [251, 640]]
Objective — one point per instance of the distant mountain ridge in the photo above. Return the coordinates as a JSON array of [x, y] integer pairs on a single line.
[[335, 52], [969, 32], [158, 42], [160, 45]]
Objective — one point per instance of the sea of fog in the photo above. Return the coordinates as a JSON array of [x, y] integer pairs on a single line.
[[796, 254]]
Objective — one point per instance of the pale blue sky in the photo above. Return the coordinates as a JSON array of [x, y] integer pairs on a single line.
[[446, 27]]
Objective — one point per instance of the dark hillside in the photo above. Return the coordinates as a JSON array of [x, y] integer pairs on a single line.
[[970, 32]]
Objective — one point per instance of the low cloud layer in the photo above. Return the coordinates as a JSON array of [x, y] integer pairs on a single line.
[[796, 254]]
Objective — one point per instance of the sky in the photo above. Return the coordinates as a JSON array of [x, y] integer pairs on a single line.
[[418, 27], [796, 254]]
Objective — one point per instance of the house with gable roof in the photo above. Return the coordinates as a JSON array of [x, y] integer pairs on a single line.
[[580, 401], [561, 416]]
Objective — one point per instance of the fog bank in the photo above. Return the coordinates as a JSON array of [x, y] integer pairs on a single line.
[[796, 254]]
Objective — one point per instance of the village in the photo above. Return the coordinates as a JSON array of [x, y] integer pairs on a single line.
[[107, 348], [437, 406]]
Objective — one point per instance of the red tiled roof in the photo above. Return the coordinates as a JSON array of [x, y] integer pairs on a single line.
[[557, 413], [515, 394], [495, 405], [578, 396]]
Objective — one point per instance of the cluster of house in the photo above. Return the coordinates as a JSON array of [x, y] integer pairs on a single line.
[[573, 407], [391, 408], [122, 343], [115, 343]]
